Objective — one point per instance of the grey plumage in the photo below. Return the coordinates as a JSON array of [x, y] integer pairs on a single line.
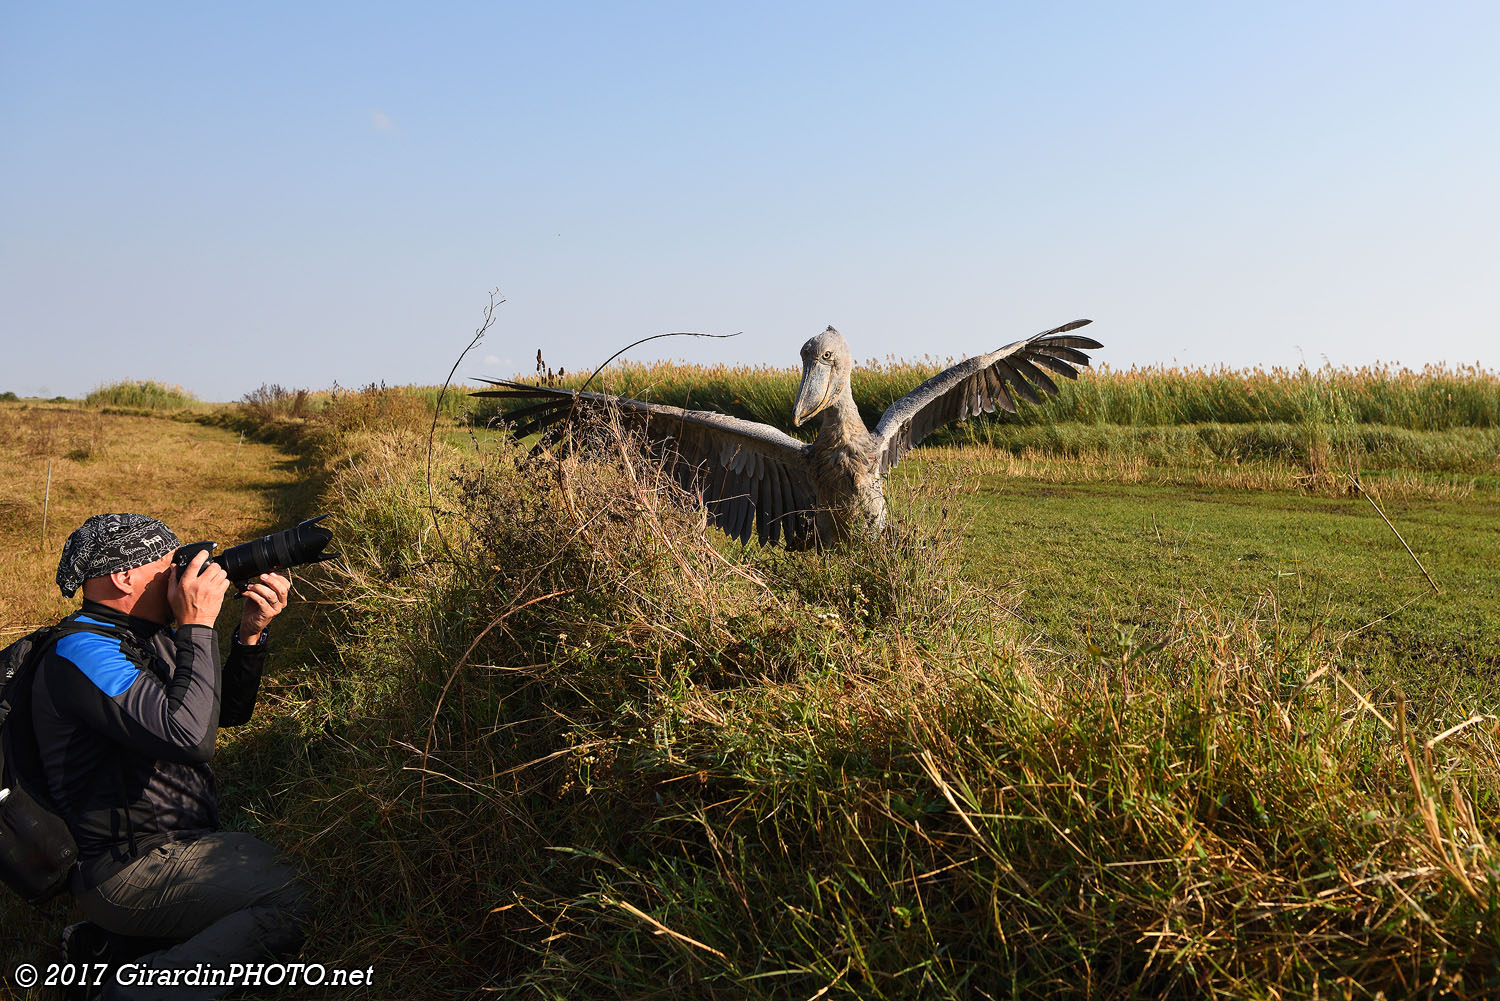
[[757, 480]]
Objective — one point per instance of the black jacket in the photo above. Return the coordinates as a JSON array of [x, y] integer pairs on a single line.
[[125, 725]]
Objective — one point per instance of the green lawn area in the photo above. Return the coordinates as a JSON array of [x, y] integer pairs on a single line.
[[1090, 556]]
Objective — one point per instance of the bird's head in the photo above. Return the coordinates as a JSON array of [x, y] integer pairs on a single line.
[[826, 363]]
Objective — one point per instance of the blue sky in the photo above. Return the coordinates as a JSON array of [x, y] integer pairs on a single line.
[[221, 196]]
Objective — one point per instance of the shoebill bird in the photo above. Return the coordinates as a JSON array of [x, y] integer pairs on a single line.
[[757, 480]]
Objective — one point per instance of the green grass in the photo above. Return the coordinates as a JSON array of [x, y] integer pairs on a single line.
[[1094, 556], [1468, 452]]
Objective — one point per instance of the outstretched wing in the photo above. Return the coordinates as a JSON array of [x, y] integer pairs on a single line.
[[978, 385], [752, 476]]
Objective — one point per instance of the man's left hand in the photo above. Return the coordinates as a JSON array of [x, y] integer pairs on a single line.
[[265, 598]]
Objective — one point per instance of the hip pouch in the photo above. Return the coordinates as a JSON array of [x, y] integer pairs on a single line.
[[36, 850]]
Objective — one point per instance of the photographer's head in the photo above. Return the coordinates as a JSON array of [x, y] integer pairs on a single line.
[[121, 560]]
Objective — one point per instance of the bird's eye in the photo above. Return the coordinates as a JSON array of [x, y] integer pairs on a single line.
[[827, 355]]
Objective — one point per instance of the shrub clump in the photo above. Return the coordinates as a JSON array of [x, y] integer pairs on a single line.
[[140, 394], [271, 401]]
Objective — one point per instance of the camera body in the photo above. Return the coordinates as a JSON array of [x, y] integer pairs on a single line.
[[243, 563]]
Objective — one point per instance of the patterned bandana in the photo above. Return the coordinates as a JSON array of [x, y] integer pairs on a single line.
[[109, 543]]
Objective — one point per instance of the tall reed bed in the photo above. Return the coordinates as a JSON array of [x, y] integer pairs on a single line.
[[1436, 398]]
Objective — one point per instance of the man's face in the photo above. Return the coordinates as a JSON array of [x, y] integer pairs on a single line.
[[152, 603]]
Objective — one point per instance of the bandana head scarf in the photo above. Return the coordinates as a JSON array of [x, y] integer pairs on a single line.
[[108, 543]]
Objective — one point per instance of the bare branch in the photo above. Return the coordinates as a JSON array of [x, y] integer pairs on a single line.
[[437, 410]]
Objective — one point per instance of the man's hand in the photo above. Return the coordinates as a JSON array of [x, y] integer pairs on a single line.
[[265, 598], [196, 597]]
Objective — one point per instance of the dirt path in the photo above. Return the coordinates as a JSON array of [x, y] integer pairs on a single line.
[[202, 481]]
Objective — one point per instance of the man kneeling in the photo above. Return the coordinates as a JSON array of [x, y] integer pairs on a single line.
[[125, 725]]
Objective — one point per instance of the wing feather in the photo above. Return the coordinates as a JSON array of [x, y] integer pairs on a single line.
[[1034, 373], [1018, 385], [1054, 366], [1087, 343], [979, 385], [764, 492], [997, 391], [781, 500], [747, 513], [1062, 354]]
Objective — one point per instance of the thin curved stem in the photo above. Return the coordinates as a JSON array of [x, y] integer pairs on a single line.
[[437, 410]]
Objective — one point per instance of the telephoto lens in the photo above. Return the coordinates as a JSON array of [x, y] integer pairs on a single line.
[[290, 548]]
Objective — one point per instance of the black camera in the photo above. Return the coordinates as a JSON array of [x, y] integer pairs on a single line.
[[293, 547]]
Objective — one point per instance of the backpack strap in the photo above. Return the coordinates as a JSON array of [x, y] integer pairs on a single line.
[[42, 640], [37, 851], [69, 626]]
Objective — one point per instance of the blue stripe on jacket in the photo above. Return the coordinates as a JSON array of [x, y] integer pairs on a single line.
[[100, 659]]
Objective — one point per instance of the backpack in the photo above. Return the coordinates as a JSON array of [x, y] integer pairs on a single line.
[[37, 851]]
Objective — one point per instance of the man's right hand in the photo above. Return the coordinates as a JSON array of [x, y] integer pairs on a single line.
[[196, 597]]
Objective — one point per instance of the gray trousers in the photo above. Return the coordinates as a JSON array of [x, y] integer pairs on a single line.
[[227, 895]]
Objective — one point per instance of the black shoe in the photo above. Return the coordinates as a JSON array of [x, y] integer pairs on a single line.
[[83, 945]]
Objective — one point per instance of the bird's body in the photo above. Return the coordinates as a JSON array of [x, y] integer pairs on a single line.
[[846, 479], [843, 458], [757, 479]]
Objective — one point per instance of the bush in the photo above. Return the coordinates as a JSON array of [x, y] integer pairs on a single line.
[[270, 402], [145, 394]]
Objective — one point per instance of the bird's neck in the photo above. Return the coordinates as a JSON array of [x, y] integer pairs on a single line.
[[841, 421]]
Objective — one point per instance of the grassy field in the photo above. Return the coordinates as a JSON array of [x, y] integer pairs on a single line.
[[1101, 554], [207, 483], [1106, 717]]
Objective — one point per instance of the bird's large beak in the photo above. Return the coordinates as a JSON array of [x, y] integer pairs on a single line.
[[814, 393]]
